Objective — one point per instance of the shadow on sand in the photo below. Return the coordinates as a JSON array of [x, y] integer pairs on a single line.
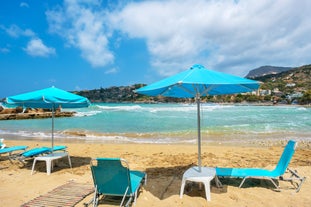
[[164, 182], [60, 164]]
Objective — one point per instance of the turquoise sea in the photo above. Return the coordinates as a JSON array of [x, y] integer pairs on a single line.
[[168, 123]]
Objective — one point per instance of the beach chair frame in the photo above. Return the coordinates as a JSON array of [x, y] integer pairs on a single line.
[[294, 177]]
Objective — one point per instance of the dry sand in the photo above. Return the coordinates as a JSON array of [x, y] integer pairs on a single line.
[[164, 165]]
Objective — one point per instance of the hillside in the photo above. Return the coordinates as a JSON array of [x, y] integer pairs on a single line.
[[122, 94], [266, 70], [296, 80], [293, 86]]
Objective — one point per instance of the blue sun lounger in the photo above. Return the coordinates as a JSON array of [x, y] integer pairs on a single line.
[[259, 173], [10, 150], [112, 177], [13, 149], [36, 152]]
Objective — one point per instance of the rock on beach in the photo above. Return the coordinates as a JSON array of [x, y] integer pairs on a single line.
[[29, 113]]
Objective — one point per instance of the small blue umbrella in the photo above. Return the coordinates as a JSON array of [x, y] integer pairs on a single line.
[[197, 82], [48, 98]]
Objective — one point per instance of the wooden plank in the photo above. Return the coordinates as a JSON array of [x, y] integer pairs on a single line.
[[68, 194]]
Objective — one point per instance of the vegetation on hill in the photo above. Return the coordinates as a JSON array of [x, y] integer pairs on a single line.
[[292, 86], [123, 94]]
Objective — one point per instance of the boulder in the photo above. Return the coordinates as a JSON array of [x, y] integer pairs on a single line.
[[19, 109], [8, 111]]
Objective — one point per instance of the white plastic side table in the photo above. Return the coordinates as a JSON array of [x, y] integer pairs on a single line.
[[194, 175], [49, 160]]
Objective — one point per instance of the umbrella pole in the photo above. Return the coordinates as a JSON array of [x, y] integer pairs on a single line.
[[199, 131], [53, 114]]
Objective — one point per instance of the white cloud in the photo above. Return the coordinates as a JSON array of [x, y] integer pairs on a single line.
[[230, 36], [4, 50], [36, 47], [82, 25], [24, 4], [223, 35], [78, 88], [111, 71], [15, 31]]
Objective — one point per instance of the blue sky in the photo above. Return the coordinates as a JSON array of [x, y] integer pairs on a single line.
[[88, 44]]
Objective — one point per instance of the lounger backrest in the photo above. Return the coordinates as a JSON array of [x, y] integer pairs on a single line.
[[110, 176], [286, 157]]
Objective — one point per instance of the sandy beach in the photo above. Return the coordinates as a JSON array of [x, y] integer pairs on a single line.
[[165, 165]]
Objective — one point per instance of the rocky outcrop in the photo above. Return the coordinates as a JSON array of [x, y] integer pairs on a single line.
[[266, 70], [19, 113]]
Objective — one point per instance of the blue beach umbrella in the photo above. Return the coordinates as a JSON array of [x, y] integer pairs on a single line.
[[196, 82], [48, 98]]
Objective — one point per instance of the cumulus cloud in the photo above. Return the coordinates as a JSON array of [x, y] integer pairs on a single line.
[[81, 23], [36, 47], [222, 34], [229, 36]]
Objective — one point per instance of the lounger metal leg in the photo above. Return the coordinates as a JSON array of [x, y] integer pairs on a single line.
[[11, 157], [218, 183], [300, 184], [129, 202], [124, 196], [295, 176], [92, 200], [272, 181], [21, 160], [95, 199], [33, 166], [243, 182], [135, 197], [145, 179], [136, 192], [276, 186], [69, 160]]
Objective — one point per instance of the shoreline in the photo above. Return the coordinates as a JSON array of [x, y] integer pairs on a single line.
[[304, 143]]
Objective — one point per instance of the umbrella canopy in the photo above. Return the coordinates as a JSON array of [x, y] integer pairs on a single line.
[[48, 98], [199, 81], [196, 82]]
